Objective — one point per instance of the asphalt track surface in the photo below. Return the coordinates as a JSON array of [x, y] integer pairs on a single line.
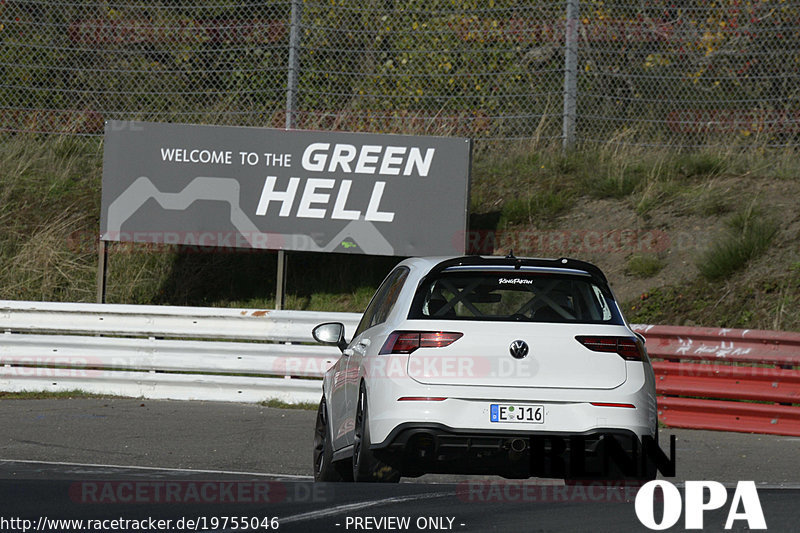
[[84, 458]]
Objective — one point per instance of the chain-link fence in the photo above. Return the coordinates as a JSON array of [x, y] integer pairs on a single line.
[[685, 72]]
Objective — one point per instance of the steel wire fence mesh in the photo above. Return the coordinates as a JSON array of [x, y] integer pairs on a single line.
[[685, 73], [689, 73], [438, 67], [69, 65]]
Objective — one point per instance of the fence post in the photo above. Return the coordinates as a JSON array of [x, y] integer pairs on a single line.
[[294, 62], [570, 73], [291, 107]]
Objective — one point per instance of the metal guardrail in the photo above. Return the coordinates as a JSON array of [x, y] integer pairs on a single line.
[[706, 378], [164, 321], [164, 352], [726, 379]]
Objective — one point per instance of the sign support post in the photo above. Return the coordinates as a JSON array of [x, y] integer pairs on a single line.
[[280, 293], [102, 267], [280, 289]]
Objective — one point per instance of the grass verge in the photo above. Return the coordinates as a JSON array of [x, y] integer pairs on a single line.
[[753, 301], [46, 395], [81, 394], [278, 404]]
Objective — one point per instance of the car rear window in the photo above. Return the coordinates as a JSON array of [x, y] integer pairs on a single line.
[[515, 296]]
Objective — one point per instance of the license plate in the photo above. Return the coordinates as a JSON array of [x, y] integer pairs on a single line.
[[525, 414]]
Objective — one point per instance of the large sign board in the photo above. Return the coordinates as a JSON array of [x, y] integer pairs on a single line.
[[220, 186]]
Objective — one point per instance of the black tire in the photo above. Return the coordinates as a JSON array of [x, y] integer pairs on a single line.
[[324, 467], [366, 467], [650, 470]]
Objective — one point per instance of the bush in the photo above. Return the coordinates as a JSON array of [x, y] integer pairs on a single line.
[[644, 266], [749, 235], [539, 207]]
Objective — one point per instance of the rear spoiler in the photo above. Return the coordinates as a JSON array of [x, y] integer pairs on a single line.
[[519, 262]]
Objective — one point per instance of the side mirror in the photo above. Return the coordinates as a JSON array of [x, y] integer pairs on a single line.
[[330, 333]]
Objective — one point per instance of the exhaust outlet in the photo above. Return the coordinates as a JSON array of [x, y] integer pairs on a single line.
[[425, 446], [517, 448]]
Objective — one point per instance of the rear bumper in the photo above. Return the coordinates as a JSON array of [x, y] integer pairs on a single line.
[[566, 411], [457, 439], [603, 453]]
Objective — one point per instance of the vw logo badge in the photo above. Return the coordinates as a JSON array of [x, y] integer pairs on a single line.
[[518, 349]]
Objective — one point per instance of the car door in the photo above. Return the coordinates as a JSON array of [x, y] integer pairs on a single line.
[[368, 339], [337, 408], [342, 381]]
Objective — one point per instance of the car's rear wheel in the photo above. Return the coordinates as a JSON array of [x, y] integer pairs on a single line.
[[650, 470], [324, 467], [366, 467]]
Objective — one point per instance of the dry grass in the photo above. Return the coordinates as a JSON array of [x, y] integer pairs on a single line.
[[43, 267], [49, 192], [749, 234]]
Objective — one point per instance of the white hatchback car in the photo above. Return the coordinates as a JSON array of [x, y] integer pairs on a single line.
[[487, 365]]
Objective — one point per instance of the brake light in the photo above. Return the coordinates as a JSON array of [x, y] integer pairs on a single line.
[[629, 348], [611, 404], [408, 341], [421, 399]]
